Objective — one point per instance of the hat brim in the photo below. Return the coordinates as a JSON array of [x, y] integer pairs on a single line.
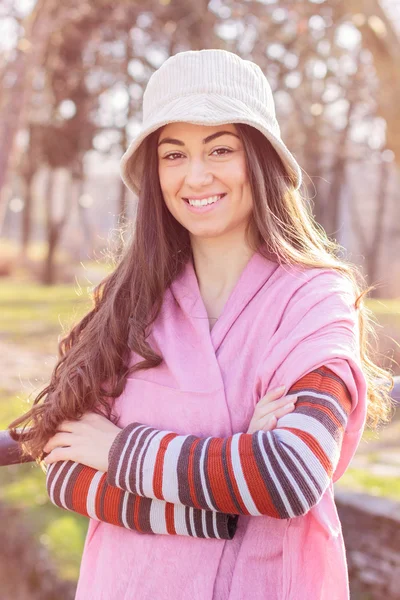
[[203, 109]]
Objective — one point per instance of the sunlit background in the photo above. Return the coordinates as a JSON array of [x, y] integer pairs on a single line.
[[72, 79]]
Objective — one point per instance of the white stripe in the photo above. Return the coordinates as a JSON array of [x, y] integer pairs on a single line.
[[313, 427], [64, 485], [204, 524], [299, 494], [170, 488], [129, 465], [53, 485], [124, 510], [191, 521], [158, 521], [48, 473], [203, 477], [91, 497], [239, 477], [324, 397], [150, 455], [215, 528], [270, 469], [179, 519], [142, 453], [308, 456]]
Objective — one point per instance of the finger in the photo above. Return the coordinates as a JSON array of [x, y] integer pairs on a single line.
[[271, 407], [270, 421], [275, 404], [68, 426], [267, 424], [275, 393], [271, 396], [58, 454], [59, 439], [284, 410]]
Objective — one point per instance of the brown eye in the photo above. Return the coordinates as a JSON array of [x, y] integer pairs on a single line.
[[223, 150], [172, 154]]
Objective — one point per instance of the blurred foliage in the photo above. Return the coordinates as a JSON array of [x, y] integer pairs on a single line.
[[75, 78]]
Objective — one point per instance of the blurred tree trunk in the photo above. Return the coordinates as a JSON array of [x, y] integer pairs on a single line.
[[27, 218], [54, 227], [48, 272], [337, 176], [16, 99], [372, 241], [373, 252]]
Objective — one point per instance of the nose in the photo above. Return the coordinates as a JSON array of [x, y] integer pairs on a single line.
[[198, 173]]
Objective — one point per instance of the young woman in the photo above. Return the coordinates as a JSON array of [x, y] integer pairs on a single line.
[[165, 420]]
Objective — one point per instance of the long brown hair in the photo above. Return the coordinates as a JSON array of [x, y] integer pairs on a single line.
[[127, 301]]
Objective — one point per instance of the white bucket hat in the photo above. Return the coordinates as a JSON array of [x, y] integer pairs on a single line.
[[206, 87]]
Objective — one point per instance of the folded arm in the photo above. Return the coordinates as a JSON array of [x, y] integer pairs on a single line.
[[81, 489], [280, 473]]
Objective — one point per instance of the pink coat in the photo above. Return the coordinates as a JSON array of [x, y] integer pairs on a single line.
[[278, 324]]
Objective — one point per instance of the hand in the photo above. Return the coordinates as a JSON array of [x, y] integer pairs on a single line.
[[87, 441], [268, 410]]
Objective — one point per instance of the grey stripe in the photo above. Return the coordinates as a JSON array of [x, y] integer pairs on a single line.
[[267, 478], [182, 466], [297, 475]]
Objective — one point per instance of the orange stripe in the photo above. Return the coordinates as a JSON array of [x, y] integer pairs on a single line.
[[324, 383], [191, 482], [159, 464], [136, 512], [254, 480], [112, 499], [169, 518], [81, 490], [216, 476]]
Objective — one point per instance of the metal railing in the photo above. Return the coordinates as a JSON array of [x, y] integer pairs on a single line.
[[10, 451], [11, 454]]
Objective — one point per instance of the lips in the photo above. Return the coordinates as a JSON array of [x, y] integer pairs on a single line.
[[210, 196]]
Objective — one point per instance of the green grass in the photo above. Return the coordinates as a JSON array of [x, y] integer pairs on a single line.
[[35, 317], [361, 480]]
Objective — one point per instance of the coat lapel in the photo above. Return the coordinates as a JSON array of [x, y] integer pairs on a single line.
[[186, 291]]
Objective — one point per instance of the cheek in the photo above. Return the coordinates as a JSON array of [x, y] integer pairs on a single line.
[[169, 183], [235, 174]]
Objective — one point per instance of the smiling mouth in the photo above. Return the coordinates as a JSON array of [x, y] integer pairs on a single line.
[[219, 198]]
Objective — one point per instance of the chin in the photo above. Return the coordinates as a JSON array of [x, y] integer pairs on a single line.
[[206, 232]]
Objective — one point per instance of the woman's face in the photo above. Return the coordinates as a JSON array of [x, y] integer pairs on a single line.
[[201, 162]]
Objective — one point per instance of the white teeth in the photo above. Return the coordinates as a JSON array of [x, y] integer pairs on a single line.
[[205, 201]]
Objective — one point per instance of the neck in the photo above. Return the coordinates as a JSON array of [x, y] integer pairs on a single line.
[[219, 263]]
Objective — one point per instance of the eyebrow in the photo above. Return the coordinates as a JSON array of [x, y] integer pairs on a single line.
[[209, 138]]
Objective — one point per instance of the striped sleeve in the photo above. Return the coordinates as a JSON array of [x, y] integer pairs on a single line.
[[280, 473], [84, 490]]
